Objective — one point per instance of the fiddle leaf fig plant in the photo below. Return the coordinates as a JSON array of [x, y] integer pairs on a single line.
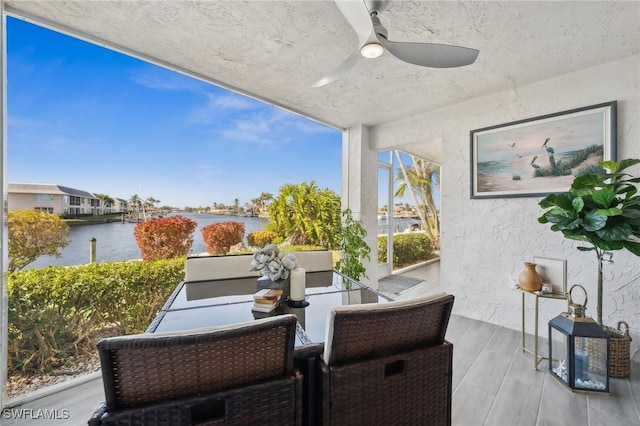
[[601, 210]]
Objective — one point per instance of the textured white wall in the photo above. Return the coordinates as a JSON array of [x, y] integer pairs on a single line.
[[485, 241]]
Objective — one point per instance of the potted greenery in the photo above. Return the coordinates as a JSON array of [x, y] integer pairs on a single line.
[[602, 210], [353, 247]]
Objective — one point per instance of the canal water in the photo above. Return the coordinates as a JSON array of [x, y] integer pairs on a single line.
[[115, 240]]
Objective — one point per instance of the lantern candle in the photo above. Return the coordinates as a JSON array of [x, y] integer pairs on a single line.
[[298, 284]]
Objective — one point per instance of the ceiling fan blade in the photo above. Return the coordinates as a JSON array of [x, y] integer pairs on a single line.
[[357, 14], [431, 54], [340, 70]]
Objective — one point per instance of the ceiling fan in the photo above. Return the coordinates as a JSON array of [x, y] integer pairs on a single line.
[[373, 42]]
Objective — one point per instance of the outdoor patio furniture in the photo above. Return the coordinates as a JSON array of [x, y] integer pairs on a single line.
[[238, 374], [214, 267], [388, 363]]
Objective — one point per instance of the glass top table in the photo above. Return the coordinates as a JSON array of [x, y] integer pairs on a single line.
[[222, 302]]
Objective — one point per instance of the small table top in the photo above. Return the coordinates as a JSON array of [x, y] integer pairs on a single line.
[[221, 302]]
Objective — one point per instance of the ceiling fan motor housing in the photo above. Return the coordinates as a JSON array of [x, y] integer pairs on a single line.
[[377, 26]]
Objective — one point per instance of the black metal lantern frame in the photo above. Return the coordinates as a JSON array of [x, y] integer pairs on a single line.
[[579, 353]]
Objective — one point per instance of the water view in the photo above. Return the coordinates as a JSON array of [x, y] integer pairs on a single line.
[[115, 241]]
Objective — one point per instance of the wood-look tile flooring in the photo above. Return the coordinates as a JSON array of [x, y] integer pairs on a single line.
[[494, 383]]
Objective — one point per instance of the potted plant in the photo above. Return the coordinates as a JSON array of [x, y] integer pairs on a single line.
[[600, 209], [353, 247]]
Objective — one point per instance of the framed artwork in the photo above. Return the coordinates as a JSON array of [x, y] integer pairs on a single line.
[[541, 155], [554, 272]]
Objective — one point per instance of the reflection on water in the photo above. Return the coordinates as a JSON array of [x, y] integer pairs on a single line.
[[115, 241]]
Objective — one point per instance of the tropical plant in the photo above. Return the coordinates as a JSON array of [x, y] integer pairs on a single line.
[[419, 180], [261, 238], [165, 238], [602, 210], [105, 199], [409, 248], [304, 214], [353, 247], [33, 234], [135, 202], [219, 237], [151, 202], [54, 312]]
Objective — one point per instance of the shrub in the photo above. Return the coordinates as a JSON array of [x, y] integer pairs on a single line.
[[54, 310], [408, 249], [165, 238], [261, 238], [353, 248], [33, 234], [305, 214], [219, 237]]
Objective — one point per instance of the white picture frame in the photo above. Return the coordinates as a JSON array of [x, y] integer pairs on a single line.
[[554, 272]]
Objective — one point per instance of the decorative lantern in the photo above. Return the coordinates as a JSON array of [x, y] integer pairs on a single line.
[[579, 349]]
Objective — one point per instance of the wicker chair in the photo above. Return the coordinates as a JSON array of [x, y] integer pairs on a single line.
[[241, 374], [388, 364]]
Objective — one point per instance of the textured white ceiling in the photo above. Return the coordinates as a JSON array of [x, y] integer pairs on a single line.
[[276, 50]]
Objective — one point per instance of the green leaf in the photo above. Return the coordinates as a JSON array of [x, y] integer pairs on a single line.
[[633, 247], [548, 201], [605, 197], [631, 213], [628, 191], [613, 211], [578, 204], [586, 181], [564, 201], [594, 221], [615, 232], [586, 248], [623, 164], [611, 166]]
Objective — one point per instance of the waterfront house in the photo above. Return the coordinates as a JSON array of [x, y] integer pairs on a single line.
[[120, 205], [51, 198], [536, 58]]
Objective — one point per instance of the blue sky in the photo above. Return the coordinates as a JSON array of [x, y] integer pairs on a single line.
[[93, 119]]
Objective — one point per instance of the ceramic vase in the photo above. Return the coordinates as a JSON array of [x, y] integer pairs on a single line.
[[529, 279]]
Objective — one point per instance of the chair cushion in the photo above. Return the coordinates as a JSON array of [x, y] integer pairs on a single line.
[[378, 329]]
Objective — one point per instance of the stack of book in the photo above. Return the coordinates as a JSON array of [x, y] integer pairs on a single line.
[[266, 300]]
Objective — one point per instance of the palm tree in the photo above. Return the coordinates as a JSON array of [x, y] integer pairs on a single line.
[[419, 179], [134, 201], [151, 202], [105, 200]]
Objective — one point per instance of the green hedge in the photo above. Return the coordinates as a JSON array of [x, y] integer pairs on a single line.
[[408, 249], [54, 310]]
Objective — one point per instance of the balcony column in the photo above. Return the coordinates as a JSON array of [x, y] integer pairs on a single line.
[[360, 190]]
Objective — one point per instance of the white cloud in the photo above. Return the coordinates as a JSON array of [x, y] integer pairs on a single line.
[[161, 79], [271, 127], [218, 106]]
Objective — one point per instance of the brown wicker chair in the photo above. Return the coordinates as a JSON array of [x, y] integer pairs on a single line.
[[388, 364], [240, 374]]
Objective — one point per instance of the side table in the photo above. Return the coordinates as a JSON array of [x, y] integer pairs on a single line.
[[536, 358]]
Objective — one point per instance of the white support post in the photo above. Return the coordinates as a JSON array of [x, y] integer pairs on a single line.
[[360, 190]]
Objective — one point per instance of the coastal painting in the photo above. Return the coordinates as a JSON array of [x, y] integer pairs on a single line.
[[541, 155]]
